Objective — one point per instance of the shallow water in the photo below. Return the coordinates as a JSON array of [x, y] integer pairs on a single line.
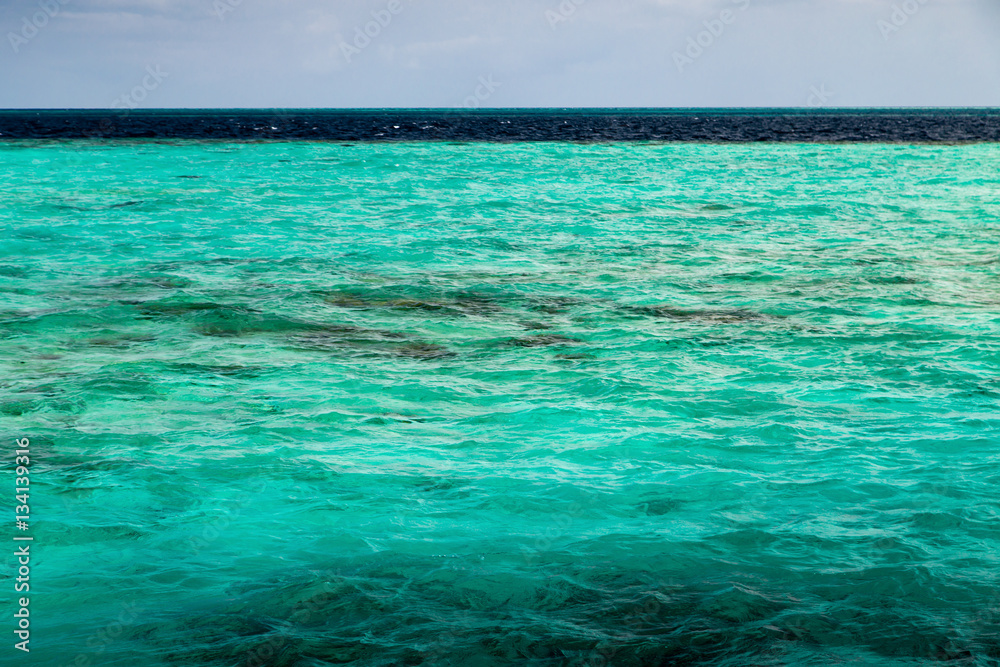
[[547, 404]]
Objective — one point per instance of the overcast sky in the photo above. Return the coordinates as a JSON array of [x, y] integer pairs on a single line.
[[520, 53]]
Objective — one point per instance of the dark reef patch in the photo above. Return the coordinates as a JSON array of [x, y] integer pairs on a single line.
[[535, 326], [894, 280], [221, 370], [211, 318], [708, 316], [158, 281], [543, 340], [119, 340], [176, 308], [422, 350]]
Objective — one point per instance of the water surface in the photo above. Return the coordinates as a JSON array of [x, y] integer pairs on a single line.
[[493, 404]]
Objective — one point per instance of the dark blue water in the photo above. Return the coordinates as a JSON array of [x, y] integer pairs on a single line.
[[510, 125]]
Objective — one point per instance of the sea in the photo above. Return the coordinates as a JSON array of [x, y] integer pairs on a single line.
[[504, 387]]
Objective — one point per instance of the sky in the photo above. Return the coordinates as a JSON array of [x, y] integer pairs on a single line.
[[495, 53]]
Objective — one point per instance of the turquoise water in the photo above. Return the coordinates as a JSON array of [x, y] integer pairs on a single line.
[[479, 404]]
